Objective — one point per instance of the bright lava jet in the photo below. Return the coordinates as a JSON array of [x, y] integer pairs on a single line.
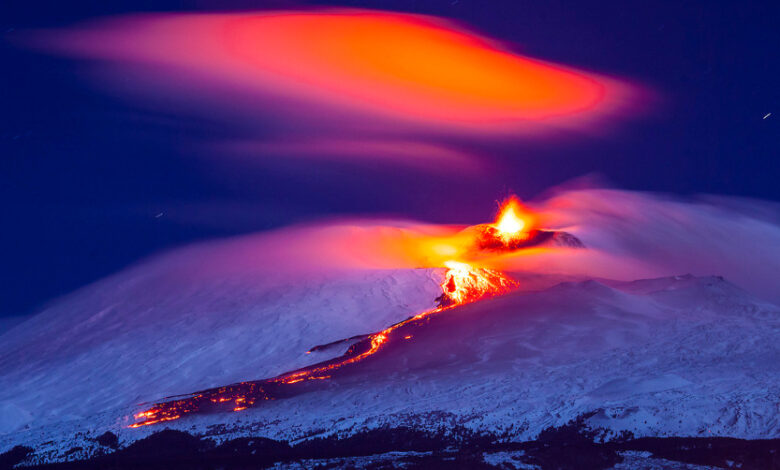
[[462, 284]]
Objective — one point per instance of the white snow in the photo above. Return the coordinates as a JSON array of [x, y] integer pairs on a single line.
[[681, 355], [644, 460], [127, 340], [508, 459]]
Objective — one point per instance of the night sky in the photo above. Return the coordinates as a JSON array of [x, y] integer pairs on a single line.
[[91, 181]]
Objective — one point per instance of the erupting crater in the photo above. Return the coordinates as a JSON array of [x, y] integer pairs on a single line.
[[463, 283], [516, 228]]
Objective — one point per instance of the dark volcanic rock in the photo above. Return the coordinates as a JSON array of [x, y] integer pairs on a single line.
[[252, 447], [108, 439], [14, 456], [166, 444], [569, 447], [488, 239]]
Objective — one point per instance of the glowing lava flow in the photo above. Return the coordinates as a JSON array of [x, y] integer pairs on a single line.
[[462, 284]]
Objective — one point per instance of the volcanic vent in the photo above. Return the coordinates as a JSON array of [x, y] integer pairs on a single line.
[[515, 228], [463, 284]]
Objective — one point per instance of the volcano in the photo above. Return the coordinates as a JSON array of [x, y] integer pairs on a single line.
[[463, 284], [331, 354]]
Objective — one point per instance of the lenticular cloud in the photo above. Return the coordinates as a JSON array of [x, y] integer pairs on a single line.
[[359, 74], [407, 66]]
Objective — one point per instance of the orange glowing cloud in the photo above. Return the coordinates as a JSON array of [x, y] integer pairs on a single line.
[[417, 69], [408, 65]]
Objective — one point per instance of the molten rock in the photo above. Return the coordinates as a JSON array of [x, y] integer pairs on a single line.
[[489, 238]]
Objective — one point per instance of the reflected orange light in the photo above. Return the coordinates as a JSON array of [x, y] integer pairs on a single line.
[[410, 64], [462, 284], [412, 67]]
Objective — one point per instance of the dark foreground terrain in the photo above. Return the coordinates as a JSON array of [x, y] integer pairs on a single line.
[[567, 447]]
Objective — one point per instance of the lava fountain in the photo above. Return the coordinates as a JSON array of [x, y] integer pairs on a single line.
[[510, 223], [463, 283]]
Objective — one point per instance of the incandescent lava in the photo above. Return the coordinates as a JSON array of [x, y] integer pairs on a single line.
[[463, 283]]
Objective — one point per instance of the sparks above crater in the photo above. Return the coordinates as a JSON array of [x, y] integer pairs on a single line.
[[512, 221]]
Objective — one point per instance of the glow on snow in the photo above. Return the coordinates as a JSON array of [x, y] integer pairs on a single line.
[[462, 284]]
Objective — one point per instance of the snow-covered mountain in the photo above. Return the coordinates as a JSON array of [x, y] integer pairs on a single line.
[[683, 356], [127, 340]]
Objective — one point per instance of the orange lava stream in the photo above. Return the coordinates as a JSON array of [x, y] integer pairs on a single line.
[[462, 284]]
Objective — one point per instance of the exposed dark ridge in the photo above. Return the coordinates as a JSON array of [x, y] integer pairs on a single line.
[[572, 446], [712, 451], [321, 347], [489, 239], [108, 439], [14, 456]]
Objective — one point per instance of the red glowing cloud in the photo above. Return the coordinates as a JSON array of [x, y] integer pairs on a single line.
[[408, 67]]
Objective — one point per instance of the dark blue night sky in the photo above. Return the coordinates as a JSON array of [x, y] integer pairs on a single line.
[[90, 183]]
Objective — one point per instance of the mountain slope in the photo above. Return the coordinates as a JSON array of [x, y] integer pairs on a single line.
[[130, 339], [679, 356]]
